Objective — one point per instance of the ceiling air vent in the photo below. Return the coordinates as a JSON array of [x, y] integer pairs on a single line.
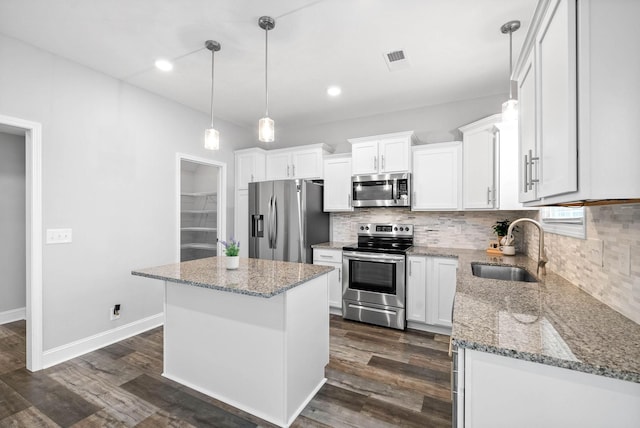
[[396, 60]]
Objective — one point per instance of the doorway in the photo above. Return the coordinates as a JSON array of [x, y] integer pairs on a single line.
[[201, 190], [31, 131]]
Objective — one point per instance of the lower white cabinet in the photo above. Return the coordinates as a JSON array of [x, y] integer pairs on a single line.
[[431, 287], [333, 258], [498, 391]]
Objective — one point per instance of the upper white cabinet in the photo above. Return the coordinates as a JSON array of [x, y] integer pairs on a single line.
[[437, 176], [382, 154], [299, 162], [578, 119], [250, 167], [337, 183], [479, 166]]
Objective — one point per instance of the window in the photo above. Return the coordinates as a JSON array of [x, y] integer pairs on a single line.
[[564, 221]]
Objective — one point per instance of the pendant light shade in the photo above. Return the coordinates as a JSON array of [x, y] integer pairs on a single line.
[[211, 135], [510, 107], [266, 126]]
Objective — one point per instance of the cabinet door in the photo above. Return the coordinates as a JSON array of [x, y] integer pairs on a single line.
[[479, 189], [364, 158], [556, 89], [337, 185], [333, 258], [306, 164], [527, 133], [437, 177], [416, 289], [441, 289], [242, 221], [278, 166], [394, 155], [249, 168]]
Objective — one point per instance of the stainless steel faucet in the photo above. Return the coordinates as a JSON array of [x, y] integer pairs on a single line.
[[542, 256]]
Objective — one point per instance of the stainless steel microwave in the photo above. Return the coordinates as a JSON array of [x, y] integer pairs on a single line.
[[381, 190]]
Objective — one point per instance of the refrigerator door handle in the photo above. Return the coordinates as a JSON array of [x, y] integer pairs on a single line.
[[301, 243], [269, 219], [274, 219]]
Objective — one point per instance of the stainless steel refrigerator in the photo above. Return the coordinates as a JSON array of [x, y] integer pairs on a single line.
[[285, 219]]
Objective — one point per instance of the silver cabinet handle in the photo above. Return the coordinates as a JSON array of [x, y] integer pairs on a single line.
[[326, 256], [526, 175], [340, 275], [287, 170], [293, 167], [349, 200], [375, 163], [414, 198], [382, 156], [488, 195], [252, 178], [410, 269]]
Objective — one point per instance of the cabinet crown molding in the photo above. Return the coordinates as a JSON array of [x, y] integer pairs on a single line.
[[409, 134], [486, 122]]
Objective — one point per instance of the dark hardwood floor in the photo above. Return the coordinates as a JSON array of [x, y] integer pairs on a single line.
[[377, 377]]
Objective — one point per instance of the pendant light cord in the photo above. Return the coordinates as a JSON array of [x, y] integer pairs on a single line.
[[510, 63], [212, 68], [266, 71]]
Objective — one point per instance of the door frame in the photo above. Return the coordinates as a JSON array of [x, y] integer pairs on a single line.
[[222, 198], [33, 226]]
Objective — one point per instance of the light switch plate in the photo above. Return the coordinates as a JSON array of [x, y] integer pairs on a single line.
[[59, 236], [595, 251]]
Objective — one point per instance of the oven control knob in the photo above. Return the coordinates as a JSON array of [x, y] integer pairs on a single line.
[[406, 228], [401, 229], [395, 229], [367, 227], [361, 227]]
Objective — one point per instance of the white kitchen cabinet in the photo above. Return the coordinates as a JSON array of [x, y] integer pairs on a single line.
[[337, 183], [241, 221], [416, 304], [507, 173], [479, 166], [499, 391], [250, 167], [331, 257], [431, 287], [441, 289], [382, 154], [299, 162], [437, 176], [584, 128]]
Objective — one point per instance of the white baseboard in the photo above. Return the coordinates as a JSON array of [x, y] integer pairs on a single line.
[[13, 315], [429, 328], [71, 350]]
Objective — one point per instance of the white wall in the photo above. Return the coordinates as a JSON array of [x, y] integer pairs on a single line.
[[12, 222], [109, 174], [432, 124]]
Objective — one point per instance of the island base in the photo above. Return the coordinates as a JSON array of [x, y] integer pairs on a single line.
[[265, 356]]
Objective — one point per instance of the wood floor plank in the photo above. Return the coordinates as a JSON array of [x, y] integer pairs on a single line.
[[120, 405], [10, 401], [105, 367], [29, 417], [52, 399], [180, 404], [101, 419], [440, 408], [17, 327], [399, 416], [164, 419], [422, 373]]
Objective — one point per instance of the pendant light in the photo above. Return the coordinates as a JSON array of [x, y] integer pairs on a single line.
[[266, 126], [510, 107], [211, 135]]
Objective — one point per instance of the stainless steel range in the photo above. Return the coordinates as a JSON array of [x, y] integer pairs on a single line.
[[373, 280]]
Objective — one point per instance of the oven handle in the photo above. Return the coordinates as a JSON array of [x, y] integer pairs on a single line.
[[370, 309], [372, 257]]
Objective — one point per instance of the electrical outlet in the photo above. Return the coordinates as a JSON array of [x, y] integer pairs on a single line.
[[59, 236], [112, 313], [624, 261], [595, 251]]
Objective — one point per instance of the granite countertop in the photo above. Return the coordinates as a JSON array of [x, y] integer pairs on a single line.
[[551, 322], [255, 277], [332, 245]]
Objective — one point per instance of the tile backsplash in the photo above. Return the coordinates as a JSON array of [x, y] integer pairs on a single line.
[[453, 229], [618, 226]]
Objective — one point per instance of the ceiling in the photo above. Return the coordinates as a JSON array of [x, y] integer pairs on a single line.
[[454, 47]]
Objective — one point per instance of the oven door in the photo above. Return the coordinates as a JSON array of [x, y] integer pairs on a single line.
[[374, 278]]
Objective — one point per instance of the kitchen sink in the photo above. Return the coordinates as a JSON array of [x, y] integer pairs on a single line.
[[506, 273]]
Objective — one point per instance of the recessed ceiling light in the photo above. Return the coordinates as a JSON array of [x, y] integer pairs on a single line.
[[334, 91], [164, 65]]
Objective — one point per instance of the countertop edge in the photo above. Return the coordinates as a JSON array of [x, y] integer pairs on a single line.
[[232, 290], [550, 361]]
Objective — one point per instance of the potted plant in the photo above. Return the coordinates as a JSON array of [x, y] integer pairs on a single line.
[[231, 250], [500, 229]]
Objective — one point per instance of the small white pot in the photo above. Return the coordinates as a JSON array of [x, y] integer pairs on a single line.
[[232, 262]]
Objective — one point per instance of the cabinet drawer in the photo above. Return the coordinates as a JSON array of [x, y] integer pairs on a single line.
[[324, 255]]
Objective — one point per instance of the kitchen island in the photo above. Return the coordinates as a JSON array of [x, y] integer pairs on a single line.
[[256, 338]]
